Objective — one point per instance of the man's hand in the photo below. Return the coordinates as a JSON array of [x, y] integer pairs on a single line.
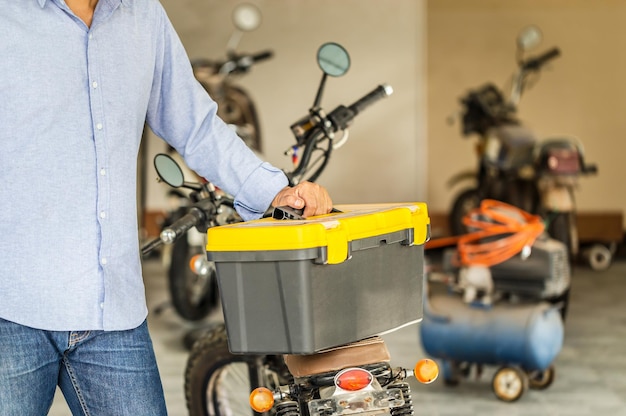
[[310, 196]]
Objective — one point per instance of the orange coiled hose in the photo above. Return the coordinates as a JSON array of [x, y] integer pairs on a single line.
[[502, 231]]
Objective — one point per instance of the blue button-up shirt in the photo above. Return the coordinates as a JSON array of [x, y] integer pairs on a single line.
[[73, 102]]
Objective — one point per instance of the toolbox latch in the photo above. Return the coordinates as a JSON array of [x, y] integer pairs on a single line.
[[337, 239]]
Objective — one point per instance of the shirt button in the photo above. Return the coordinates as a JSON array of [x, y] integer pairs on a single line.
[[102, 305], [103, 214], [103, 261], [99, 126], [94, 84], [90, 36], [103, 172]]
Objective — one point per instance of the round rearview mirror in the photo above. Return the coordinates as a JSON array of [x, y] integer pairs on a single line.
[[529, 38], [333, 59], [246, 17], [168, 170]]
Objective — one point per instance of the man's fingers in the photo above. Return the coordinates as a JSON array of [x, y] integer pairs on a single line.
[[310, 196]]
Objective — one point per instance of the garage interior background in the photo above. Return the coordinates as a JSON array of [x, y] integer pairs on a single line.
[[430, 52]]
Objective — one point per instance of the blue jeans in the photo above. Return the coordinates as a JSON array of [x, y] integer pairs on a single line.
[[99, 373]]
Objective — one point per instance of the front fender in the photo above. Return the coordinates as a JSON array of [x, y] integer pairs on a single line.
[[463, 176]]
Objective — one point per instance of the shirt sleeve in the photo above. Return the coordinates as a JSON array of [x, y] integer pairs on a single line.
[[181, 112]]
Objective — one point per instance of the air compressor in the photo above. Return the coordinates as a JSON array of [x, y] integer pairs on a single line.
[[499, 307]]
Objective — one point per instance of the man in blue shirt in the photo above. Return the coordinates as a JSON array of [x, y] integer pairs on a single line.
[[78, 80]]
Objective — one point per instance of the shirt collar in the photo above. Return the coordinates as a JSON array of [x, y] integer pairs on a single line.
[[127, 3]]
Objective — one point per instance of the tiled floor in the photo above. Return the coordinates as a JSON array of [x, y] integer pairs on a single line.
[[590, 369]]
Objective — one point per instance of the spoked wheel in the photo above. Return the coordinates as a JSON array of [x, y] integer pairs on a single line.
[[466, 201], [237, 109], [218, 383], [193, 296], [509, 383], [541, 380]]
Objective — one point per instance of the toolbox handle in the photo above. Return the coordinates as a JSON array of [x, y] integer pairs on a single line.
[[287, 213]]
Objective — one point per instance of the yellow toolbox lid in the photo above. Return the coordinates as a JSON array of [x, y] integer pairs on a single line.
[[334, 231]]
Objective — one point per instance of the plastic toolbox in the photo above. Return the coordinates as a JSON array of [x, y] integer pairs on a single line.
[[300, 286]]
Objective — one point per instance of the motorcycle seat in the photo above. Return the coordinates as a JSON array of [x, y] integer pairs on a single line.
[[367, 351]]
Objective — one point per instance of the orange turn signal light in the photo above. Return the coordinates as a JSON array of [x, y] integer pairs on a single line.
[[426, 371], [195, 262], [261, 399]]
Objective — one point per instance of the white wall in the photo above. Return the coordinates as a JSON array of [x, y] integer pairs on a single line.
[[385, 158]]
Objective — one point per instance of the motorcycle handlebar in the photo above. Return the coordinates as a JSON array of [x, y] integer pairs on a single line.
[[261, 56], [376, 94], [590, 169], [174, 231], [195, 216], [341, 116], [539, 61], [241, 63], [146, 249]]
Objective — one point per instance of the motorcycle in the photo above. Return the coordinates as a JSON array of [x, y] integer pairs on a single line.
[[194, 289], [341, 380], [513, 165], [235, 106]]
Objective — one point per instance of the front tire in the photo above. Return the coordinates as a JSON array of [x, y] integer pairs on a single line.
[[218, 383], [465, 202], [193, 296], [562, 227]]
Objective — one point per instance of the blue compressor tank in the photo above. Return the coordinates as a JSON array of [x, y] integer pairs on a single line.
[[527, 335]]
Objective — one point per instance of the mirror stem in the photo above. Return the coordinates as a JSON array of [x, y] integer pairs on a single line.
[[192, 185], [318, 96], [233, 42]]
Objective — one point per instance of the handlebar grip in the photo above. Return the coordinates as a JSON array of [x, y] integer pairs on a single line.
[[244, 62], [591, 169], [342, 116], [376, 94], [196, 215], [538, 62], [182, 225], [261, 56]]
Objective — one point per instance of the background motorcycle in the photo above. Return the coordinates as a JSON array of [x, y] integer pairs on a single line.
[[194, 291], [235, 106], [513, 166]]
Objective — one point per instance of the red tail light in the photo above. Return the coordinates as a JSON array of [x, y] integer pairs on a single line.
[[353, 379]]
